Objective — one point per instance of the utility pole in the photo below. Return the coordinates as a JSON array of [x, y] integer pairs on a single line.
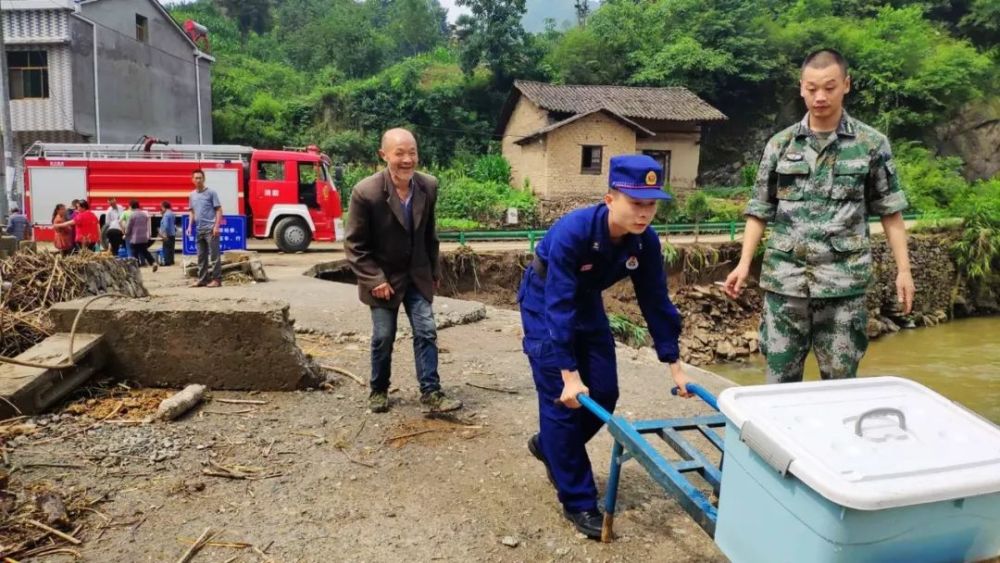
[[8, 131], [582, 12]]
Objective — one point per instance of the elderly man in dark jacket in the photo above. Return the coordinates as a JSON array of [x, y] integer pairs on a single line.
[[392, 247]]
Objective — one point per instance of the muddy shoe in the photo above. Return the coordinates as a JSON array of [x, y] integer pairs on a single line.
[[437, 401], [587, 522], [536, 450], [378, 401]]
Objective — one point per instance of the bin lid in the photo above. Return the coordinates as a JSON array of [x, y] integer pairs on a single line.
[[870, 443]]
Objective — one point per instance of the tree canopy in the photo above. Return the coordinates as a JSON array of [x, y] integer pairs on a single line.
[[338, 71]]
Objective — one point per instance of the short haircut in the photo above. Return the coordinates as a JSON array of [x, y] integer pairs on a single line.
[[198, 171], [823, 58], [134, 204], [84, 205], [74, 202], [166, 205]]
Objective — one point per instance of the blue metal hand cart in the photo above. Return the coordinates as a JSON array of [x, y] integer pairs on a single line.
[[630, 443]]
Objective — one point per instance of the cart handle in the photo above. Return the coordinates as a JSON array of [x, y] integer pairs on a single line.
[[592, 406], [701, 392], [602, 413]]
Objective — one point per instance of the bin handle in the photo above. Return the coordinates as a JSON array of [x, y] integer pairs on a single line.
[[882, 411]]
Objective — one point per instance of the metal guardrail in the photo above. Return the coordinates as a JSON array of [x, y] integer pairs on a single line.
[[534, 235]]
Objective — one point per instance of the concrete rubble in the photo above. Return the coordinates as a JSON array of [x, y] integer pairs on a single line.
[[30, 390], [240, 262], [234, 344]]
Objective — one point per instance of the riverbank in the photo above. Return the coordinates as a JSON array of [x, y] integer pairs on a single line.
[[719, 329]]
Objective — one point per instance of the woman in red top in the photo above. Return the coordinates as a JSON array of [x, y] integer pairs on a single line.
[[88, 229], [64, 235]]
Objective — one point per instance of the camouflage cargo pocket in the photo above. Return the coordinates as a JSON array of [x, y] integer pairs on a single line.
[[792, 178], [782, 242], [849, 180], [849, 243]]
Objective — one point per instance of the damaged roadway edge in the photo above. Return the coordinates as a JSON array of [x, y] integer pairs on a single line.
[[170, 341], [337, 278]]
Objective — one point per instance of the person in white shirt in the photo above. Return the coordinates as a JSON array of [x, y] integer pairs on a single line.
[[113, 232]]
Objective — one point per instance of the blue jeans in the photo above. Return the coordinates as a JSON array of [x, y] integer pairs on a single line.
[[425, 349]]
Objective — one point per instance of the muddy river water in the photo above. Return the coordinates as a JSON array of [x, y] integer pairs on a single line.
[[960, 360]]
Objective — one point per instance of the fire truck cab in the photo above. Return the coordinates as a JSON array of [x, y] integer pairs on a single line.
[[287, 195]]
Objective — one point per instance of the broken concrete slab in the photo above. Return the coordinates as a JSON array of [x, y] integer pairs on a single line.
[[235, 344], [242, 261], [447, 315], [31, 390]]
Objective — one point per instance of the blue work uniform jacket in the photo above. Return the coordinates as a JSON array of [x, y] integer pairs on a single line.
[[580, 261]]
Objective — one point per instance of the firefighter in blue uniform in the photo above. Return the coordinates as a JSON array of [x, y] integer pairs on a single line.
[[567, 337]]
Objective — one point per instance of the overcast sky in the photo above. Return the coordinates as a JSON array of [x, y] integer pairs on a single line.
[[449, 4]]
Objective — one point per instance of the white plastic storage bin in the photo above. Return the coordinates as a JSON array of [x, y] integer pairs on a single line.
[[858, 470]]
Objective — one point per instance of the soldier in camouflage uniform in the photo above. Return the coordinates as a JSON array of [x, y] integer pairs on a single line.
[[818, 182]]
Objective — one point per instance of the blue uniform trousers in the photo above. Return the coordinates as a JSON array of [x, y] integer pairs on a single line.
[[564, 432]]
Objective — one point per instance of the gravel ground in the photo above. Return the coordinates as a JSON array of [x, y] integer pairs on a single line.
[[311, 476]]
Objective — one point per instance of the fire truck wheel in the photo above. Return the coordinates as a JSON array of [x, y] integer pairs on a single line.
[[292, 234]]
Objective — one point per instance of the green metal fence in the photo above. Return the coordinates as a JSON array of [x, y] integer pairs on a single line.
[[732, 228]]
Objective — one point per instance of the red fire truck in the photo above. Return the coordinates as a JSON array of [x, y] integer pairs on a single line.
[[285, 194]]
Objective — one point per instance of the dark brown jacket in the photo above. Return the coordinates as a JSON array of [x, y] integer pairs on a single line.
[[380, 248]]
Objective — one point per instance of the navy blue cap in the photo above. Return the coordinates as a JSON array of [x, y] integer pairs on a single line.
[[638, 176]]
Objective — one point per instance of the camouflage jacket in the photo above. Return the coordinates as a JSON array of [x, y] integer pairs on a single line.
[[818, 202]]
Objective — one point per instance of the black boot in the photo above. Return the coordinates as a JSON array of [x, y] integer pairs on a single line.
[[587, 522], [536, 450]]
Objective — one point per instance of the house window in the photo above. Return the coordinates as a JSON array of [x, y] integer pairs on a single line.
[[141, 29], [663, 157], [590, 159], [28, 73]]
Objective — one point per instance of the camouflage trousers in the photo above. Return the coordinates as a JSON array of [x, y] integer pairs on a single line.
[[835, 328]]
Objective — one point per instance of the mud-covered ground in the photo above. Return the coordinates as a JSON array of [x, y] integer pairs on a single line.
[[311, 476]]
